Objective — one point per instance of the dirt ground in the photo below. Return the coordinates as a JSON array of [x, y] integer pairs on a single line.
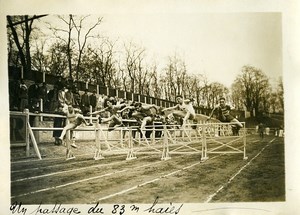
[[183, 178]]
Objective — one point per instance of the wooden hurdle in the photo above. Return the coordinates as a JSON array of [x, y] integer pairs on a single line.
[[24, 118], [100, 138], [131, 154], [187, 142], [224, 134], [31, 130], [165, 154], [98, 152], [184, 143], [217, 135]]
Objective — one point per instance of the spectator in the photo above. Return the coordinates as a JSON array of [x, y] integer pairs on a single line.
[[69, 84], [77, 97], [43, 94], [85, 102], [14, 86], [93, 100], [69, 98], [23, 96], [53, 99], [61, 97], [261, 130], [100, 103], [33, 96], [59, 83], [58, 121], [74, 87]]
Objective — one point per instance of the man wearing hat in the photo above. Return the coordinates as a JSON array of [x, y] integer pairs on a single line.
[[93, 100], [85, 102]]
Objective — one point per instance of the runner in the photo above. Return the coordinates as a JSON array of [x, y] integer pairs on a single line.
[[144, 114], [115, 118], [75, 119], [223, 113], [184, 110]]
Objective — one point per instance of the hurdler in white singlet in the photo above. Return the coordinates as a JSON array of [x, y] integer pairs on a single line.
[[188, 107]]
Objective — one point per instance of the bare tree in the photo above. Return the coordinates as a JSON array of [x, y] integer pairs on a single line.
[[132, 69], [21, 28], [205, 92], [174, 77], [39, 58], [152, 82], [66, 41], [99, 64], [57, 59], [276, 98], [253, 84], [13, 53], [195, 86], [280, 93], [216, 90], [75, 41], [237, 96], [82, 39]]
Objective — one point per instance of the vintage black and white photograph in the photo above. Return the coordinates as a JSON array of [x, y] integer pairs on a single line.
[[155, 111]]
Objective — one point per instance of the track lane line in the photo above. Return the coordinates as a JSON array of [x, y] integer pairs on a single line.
[[83, 180], [116, 172], [54, 165], [151, 181], [210, 197], [155, 179], [65, 171]]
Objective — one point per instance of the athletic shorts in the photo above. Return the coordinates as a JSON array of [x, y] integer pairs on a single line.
[[227, 118]]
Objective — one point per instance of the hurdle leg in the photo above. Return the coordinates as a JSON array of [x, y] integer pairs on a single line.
[[34, 142], [121, 137], [98, 153], [27, 133], [143, 132], [165, 154], [105, 136], [130, 155], [185, 132], [204, 156], [153, 135], [244, 142], [69, 153]]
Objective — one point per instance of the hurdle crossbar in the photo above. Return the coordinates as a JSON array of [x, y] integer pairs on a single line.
[[215, 134]]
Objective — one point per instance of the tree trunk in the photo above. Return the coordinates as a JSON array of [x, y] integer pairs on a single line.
[[69, 51]]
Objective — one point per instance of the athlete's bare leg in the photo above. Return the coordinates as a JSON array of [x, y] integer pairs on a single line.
[[64, 131], [237, 123], [144, 123]]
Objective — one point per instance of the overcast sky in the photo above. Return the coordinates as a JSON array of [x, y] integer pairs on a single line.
[[214, 44], [217, 44]]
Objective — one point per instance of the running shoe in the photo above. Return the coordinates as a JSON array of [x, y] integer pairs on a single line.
[[74, 145], [71, 157], [59, 141]]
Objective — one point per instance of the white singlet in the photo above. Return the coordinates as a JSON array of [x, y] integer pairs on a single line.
[[188, 107]]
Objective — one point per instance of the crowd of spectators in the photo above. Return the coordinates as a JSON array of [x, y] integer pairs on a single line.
[[42, 97]]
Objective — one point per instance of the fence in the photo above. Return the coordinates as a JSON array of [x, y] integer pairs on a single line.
[[16, 73]]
